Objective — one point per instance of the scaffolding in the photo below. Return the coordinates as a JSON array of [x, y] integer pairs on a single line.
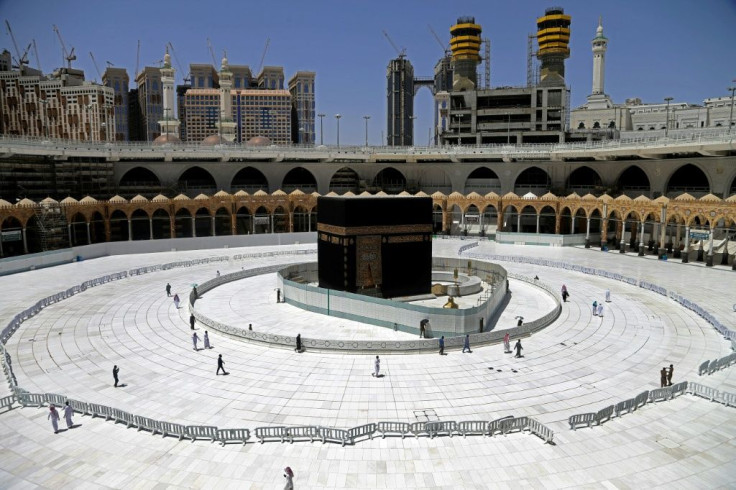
[[52, 226], [487, 63]]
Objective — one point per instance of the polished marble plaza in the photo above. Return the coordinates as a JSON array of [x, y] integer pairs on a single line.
[[578, 364]]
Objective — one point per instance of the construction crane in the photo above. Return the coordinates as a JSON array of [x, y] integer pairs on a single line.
[[137, 58], [444, 46], [263, 56], [400, 52], [68, 56], [212, 52], [35, 51], [97, 68], [531, 69], [185, 74], [22, 59]]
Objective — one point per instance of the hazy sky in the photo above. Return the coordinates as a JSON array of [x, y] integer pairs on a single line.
[[657, 48]]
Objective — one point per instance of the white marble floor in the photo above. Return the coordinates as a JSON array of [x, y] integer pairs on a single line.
[[580, 363]]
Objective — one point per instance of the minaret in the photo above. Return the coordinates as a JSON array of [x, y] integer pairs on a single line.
[[169, 125], [226, 123], [600, 44]]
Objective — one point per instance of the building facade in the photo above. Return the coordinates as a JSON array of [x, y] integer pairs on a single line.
[[117, 79], [301, 87], [150, 100]]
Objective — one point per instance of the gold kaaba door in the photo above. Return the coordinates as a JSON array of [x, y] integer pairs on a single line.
[[368, 260]]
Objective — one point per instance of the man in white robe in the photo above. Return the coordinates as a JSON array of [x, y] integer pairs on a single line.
[[68, 412]]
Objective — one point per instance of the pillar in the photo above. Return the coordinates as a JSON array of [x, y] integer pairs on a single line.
[[253, 224], [572, 226], [25, 241], [69, 232], [194, 227], [130, 230], [291, 222], [233, 224], [107, 230], [172, 226], [685, 251], [623, 237], [518, 221], [89, 235], [213, 225], [662, 232], [604, 233], [587, 232], [537, 224], [150, 227], [270, 222], [558, 219], [677, 254], [641, 240], [709, 258]]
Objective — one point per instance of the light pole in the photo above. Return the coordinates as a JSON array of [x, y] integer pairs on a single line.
[[667, 123], [366, 117], [730, 114], [338, 116], [321, 133]]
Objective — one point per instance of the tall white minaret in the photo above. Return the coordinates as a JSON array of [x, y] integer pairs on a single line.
[[169, 125], [227, 125], [600, 44]]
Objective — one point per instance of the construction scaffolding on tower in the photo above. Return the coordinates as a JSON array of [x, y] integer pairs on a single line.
[[532, 73], [52, 226]]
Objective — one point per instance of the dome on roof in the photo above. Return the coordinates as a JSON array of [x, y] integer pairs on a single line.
[[25, 202], [241, 193], [214, 139], [181, 197], [259, 141], [278, 192], [5, 204], [167, 139], [201, 197], [421, 194], [139, 198], [117, 200], [296, 192], [69, 200], [160, 198], [491, 195], [222, 194], [88, 200], [260, 192], [348, 194], [49, 200]]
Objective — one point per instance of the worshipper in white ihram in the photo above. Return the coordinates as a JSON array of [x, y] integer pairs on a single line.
[[206, 340], [68, 411], [54, 416], [195, 339], [608, 295], [176, 301], [600, 309], [289, 475], [377, 367]]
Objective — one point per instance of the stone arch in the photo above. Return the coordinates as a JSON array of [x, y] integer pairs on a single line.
[[223, 222], [33, 235], [118, 226], [262, 221], [97, 228], [688, 178], [456, 216], [196, 180], [633, 182], [547, 220], [249, 179], [390, 181], [437, 215], [243, 221], [140, 225], [584, 180], [161, 221], [483, 180], [435, 179], [534, 180], [78, 230], [280, 220], [203, 222], [345, 180], [489, 216], [302, 219], [299, 178], [183, 226], [472, 220], [139, 180]]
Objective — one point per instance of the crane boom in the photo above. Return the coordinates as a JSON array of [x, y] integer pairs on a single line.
[[212, 52], [400, 52], [263, 56], [38, 60], [137, 58], [22, 58], [439, 41], [185, 74], [68, 56], [97, 68]]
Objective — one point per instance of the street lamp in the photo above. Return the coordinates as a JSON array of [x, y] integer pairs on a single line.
[[321, 133], [366, 117], [730, 114], [338, 116], [667, 123]]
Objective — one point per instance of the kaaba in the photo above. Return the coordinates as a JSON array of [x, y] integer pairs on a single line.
[[378, 246]]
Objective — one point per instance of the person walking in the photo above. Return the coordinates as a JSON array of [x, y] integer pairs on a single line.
[[595, 308], [115, 372], [168, 289], [220, 365], [422, 330], [289, 475], [518, 348], [608, 295], [506, 344], [565, 294], [520, 321], [298, 342], [278, 295], [68, 412], [218, 273], [442, 345], [466, 344], [54, 416], [377, 367], [206, 340], [192, 320], [669, 375], [176, 301], [663, 377], [600, 309], [195, 339]]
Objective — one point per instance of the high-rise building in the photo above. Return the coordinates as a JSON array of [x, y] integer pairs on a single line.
[[150, 99], [203, 76], [181, 111], [301, 87], [553, 36], [271, 78], [117, 79], [400, 101], [465, 45]]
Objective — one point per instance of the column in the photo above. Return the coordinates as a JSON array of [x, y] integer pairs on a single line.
[[518, 221], [604, 233], [709, 258], [253, 224], [587, 232], [685, 251], [172, 226], [69, 232], [233, 224], [677, 254], [572, 226], [291, 222], [213, 225], [662, 232], [150, 227], [89, 235], [1, 245], [270, 222], [622, 245], [130, 230], [25, 241], [537, 224], [641, 240], [194, 227]]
